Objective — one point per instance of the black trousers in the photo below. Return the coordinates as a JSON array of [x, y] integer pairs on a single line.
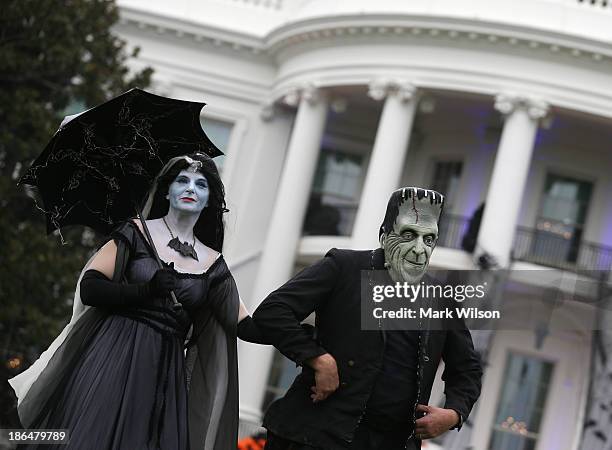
[[365, 438]]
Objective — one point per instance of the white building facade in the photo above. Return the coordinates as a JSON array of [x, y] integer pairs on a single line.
[[324, 107]]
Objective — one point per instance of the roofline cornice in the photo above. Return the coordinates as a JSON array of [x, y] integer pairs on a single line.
[[195, 31], [380, 25]]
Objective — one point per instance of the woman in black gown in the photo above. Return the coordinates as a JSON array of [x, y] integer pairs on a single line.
[[119, 377]]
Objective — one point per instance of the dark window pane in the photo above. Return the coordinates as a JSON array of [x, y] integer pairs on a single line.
[[561, 219], [521, 406], [505, 441], [446, 178], [335, 194]]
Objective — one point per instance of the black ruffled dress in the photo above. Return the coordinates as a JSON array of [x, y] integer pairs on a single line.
[[122, 379]]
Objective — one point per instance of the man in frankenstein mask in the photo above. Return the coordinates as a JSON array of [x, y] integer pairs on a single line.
[[362, 389]]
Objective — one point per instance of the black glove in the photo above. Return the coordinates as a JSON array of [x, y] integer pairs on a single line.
[[98, 290], [248, 331], [163, 281]]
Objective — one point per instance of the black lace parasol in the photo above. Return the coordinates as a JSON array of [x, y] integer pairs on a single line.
[[99, 164]]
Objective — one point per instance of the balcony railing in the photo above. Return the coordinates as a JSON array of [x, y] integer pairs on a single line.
[[451, 231], [530, 245], [552, 250]]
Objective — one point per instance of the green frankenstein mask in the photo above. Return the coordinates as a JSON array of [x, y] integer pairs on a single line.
[[409, 232]]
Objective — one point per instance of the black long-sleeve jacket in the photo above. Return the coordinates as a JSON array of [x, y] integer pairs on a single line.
[[331, 288]]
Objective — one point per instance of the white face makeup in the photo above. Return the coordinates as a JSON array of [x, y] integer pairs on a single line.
[[189, 192], [409, 245]]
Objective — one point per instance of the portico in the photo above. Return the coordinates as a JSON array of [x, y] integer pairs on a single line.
[[500, 152], [332, 105]]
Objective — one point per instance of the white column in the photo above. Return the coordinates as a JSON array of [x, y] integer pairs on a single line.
[[285, 228], [509, 175], [387, 160]]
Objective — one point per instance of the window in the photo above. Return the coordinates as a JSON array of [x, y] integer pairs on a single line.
[[445, 180], [446, 177], [521, 404], [219, 133], [561, 218], [335, 194]]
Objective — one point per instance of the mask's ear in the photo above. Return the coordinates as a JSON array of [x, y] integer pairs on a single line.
[[382, 240]]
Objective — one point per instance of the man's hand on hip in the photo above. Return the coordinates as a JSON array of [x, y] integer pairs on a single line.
[[435, 422], [326, 377]]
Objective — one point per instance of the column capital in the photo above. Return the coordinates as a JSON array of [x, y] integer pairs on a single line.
[[380, 88], [266, 113], [292, 97], [309, 92], [507, 103]]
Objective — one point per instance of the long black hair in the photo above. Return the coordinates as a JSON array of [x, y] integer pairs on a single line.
[[209, 228]]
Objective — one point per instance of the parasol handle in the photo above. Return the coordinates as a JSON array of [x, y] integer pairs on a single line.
[[175, 303]]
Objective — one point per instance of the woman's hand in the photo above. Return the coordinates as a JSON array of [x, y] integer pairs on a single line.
[[163, 281], [98, 290]]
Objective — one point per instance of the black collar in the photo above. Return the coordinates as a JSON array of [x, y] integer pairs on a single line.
[[378, 259]]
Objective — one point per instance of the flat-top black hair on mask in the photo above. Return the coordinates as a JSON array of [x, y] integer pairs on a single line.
[[400, 196]]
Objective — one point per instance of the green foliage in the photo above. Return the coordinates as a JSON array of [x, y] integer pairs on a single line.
[[52, 54]]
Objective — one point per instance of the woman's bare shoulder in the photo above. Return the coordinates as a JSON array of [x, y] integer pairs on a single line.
[[104, 261], [137, 222], [211, 253]]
